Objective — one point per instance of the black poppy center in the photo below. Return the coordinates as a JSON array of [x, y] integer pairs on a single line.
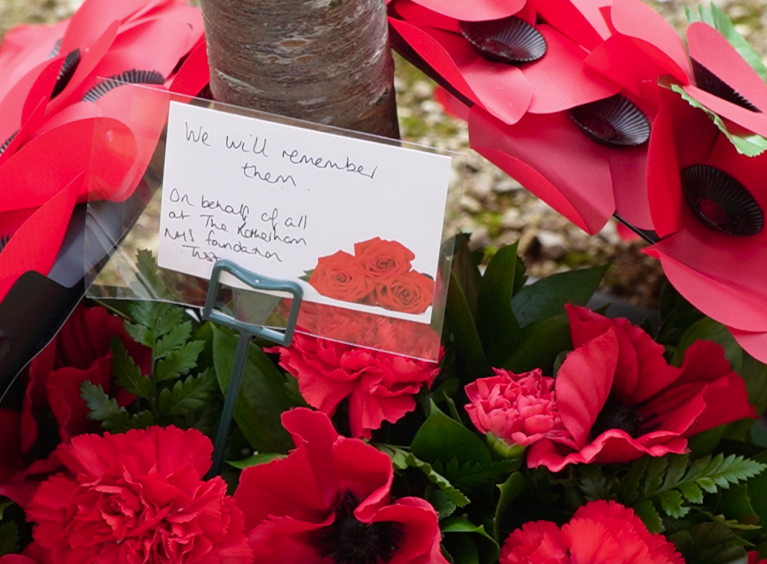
[[615, 415], [720, 202], [509, 40], [614, 121], [600, 127], [350, 541], [708, 81]]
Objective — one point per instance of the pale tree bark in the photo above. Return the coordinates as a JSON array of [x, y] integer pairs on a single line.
[[325, 61]]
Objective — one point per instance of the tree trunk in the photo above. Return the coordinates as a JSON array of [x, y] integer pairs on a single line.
[[325, 61]]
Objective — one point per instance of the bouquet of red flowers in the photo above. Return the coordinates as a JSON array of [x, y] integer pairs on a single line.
[[548, 431]]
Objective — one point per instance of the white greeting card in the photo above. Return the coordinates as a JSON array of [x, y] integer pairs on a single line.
[[299, 204]]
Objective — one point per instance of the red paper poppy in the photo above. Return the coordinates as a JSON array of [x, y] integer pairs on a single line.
[[544, 56], [62, 120], [380, 386], [589, 161], [619, 399], [708, 203], [330, 500], [600, 531]]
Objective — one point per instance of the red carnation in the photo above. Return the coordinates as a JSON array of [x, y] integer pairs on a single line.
[[518, 409], [409, 293], [383, 260], [600, 531], [380, 386], [79, 353], [138, 497], [330, 501], [340, 276], [619, 399]]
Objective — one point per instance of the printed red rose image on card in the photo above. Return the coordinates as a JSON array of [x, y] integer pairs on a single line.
[[379, 274]]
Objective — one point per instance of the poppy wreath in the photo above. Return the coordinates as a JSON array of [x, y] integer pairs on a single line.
[[642, 131], [68, 131]]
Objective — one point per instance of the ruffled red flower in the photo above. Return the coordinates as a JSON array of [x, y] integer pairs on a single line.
[[619, 399], [52, 408], [380, 386], [138, 497], [753, 558], [330, 501], [600, 531], [519, 409], [708, 203], [67, 135]]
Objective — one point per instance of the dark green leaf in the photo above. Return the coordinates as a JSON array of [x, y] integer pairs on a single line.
[[671, 503], [187, 395], [514, 486], [255, 460], [442, 438], [9, 538], [4, 504], [172, 340], [398, 455], [149, 274], [691, 492], [104, 409], [757, 490], [127, 374], [709, 543], [592, 482], [472, 475], [139, 333], [649, 516], [440, 502], [179, 362], [262, 398], [455, 527], [468, 345], [109, 413], [453, 494], [461, 549], [547, 297], [465, 270], [629, 486], [754, 374], [736, 505], [539, 345], [496, 323]]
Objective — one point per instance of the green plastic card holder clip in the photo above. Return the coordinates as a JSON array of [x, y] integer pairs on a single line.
[[246, 331]]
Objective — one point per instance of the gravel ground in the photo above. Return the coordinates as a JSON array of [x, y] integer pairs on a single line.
[[495, 208]]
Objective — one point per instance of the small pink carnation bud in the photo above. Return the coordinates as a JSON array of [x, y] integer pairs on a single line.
[[513, 409]]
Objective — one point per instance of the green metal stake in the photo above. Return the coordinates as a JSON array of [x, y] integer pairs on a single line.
[[247, 331]]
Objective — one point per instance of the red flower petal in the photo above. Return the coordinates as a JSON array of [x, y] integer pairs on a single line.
[[712, 50], [474, 10], [552, 158], [580, 402], [653, 35]]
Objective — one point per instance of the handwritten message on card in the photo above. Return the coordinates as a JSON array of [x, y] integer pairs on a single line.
[[276, 198]]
